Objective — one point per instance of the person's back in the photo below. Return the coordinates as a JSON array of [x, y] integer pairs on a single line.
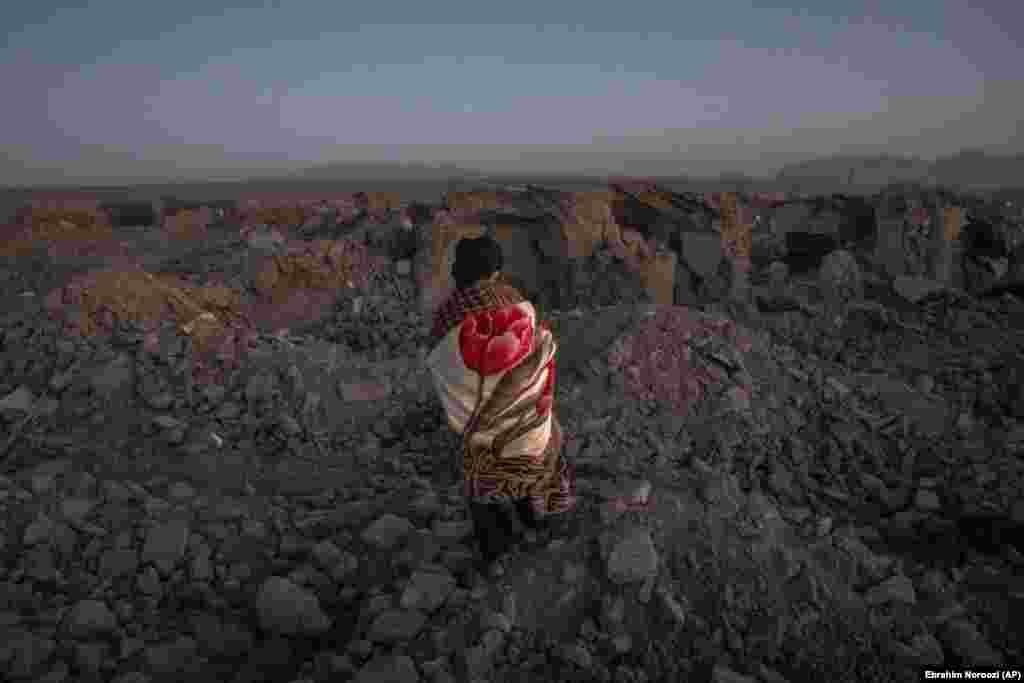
[[494, 368]]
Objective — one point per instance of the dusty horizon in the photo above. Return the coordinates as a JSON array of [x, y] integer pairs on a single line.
[[189, 90]]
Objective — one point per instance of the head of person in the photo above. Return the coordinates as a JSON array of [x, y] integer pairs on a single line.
[[476, 260]]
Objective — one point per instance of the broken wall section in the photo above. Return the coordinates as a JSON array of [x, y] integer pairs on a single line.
[[299, 284]]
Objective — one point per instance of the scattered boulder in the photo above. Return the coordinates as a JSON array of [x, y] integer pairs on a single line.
[[917, 289], [633, 558], [285, 608], [90, 619]]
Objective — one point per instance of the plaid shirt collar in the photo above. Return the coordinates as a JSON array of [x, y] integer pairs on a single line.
[[462, 302]]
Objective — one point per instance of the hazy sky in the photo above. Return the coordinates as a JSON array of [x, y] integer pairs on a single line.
[[115, 87]]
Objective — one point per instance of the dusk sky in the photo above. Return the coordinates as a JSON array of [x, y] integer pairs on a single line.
[[114, 87]]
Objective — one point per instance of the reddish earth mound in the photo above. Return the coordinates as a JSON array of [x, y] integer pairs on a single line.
[[66, 233], [188, 224], [678, 357], [95, 304], [300, 284]]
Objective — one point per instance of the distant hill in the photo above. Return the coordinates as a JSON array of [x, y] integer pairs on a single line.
[[384, 171], [972, 169], [855, 171], [978, 169]]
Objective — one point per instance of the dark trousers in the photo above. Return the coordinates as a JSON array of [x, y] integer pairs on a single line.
[[497, 526]]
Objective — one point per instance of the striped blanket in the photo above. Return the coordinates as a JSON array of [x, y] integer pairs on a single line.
[[493, 368]]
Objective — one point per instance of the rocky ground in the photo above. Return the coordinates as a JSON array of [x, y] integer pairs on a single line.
[[858, 518]]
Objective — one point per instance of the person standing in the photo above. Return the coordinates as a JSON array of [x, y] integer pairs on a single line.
[[493, 367]]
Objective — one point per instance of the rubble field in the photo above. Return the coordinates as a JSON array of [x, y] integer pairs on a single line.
[[799, 458]]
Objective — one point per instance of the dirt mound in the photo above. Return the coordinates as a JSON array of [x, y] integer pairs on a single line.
[[679, 356], [188, 224], [476, 200], [65, 232], [378, 202], [97, 303], [318, 265], [280, 216], [103, 297]]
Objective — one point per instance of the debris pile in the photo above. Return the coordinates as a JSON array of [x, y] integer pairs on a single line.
[[379, 206], [281, 217], [588, 222], [788, 496], [476, 200], [188, 224], [317, 265], [66, 233], [298, 285], [101, 303], [679, 357]]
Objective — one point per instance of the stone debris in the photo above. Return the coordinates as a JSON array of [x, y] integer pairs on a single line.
[[286, 608], [826, 488], [633, 559]]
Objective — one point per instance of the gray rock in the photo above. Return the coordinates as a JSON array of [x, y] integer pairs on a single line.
[[113, 377], [90, 618], [24, 654], [221, 638], [133, 677], [76, 509], [914, 289], [927, 500], [1017, 512], [674, 607], [427, 590], [778, 274], [391, 626], [149, 582], [928, 650], [165, 545], [841, 277], [259, 388], [452, 532], [181, 491], [578, 654], [496, 621], [895, 589], [20, 401], [967, 643], [89, 657], [387, 531], [177, 656], [346, 564], [201, 566], [701, 252], [265, 240], [161, 401], [723, 674], [39, 530], [117, 562], [326, 554], [634, 558], [40, 564], [167, 422], [622, 643], [388, 669], [284, 607]]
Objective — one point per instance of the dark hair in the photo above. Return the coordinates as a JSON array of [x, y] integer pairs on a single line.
[[476, 259]]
